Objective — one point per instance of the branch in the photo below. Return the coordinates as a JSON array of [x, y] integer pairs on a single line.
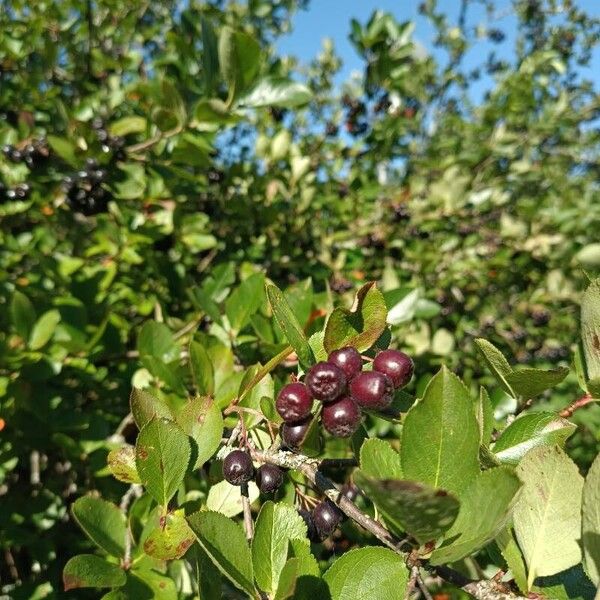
[[309, 467], [576, 405], [248, 523], [134, 491]]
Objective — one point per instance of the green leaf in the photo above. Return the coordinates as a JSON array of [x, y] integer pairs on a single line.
[[362, 326], [63, 148], [379, 460], [590, 521], [276, 525], [208, 579], [367, 574], [485, 417], [210, 55], [145, 406], [201, 419], [170, 538], [44, 329], [22, 314], [411, 507], [162, 454], [89, 570], [512, 555], [290, 326], [589, 256], [239, 60], [590, 329], [132, 181], [571, 584], [103, 523], [227, 499], [128, 125], [155, 339], [440, 436], [287, 579], [547, 517], [121, 462], [244, 301], [496, 363], [529, 383], [277, 91], [169, 373], [224, 542], [530, 431], [484, 512], [261, 372]]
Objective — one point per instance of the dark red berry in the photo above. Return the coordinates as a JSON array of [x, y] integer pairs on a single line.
[[372, 390], [294, 402], [237, 467], [326, 517], [311, 530], [293, 434], [269, 478], [341, 417], [348, 360], [326, 381], [396, 365], [350, 491]]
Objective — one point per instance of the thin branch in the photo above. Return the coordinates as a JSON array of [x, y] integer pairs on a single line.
[[248, 523], [134, 491], [309, 467], [576, 405], [424, 591]]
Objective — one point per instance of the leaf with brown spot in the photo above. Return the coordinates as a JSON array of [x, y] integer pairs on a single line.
[[121, 462], [171, 537], [89, 570]]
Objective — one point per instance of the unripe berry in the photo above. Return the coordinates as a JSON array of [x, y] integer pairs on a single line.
[[294, 402], [293, 434], [341, 417], [237, 467], [372, 390], [396, 365], [348, 359], [326, 517], [269, 478], [326, 381]]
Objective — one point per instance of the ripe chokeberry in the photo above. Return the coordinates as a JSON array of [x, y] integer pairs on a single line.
[[341, 417], [326, 517], [237, 467], [311, 530], [326, 381], [348, 360], [372, 390], [293, 434], [396, 365], [294, 402], [269, 478]]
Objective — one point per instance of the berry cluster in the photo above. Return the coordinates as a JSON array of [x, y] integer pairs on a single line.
[[84, 190], [355, 117], [238, 470], [32, 154], [109, 143], [19, 192], [344, 389]]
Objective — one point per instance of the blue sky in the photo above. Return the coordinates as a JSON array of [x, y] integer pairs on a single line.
[[331, 18]]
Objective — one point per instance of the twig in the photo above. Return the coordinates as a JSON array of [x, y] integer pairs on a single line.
[[34, 463], [309, 467], [421, 584], [248, 524], [412, 582], [567, 412], [135, 491]]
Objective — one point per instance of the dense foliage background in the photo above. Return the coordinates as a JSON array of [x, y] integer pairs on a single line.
[[147, 193]]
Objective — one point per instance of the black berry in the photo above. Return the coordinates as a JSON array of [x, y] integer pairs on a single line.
[[341, 417], [350, 491], [396, 365], [372, 390], [294, 402], [311, 530], [269, 478], [326, 381], [348, 360], [293, 434], [326, 517], [237, 467]]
